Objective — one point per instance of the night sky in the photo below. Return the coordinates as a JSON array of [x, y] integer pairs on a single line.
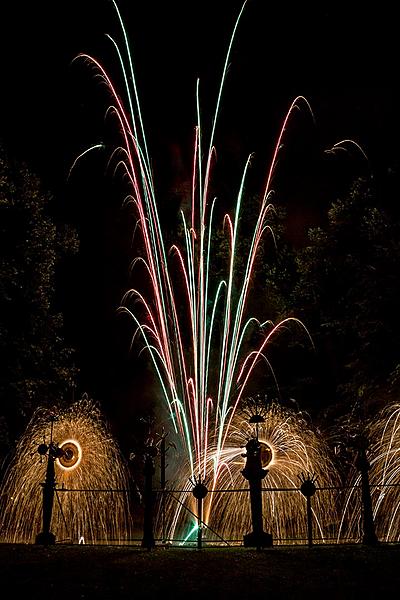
[[343, 62]]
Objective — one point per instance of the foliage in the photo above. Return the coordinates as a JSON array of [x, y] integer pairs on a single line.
[[347, 289], [37, 365]]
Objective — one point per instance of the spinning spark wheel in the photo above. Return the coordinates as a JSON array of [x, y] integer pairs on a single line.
[[71, 456]]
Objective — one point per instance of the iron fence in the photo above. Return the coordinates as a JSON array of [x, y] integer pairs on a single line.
[[336, 516]]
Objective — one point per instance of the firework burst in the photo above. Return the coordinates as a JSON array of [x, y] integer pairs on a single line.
[[290, 447], [98, 509], [196, 326]]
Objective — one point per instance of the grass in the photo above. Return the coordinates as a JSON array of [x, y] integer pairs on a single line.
[[112, 572]]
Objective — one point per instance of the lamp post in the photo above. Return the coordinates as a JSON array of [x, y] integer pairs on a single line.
[[46, 537], [254, 473]]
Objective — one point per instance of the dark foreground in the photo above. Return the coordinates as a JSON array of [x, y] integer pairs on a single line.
[[112, 572]]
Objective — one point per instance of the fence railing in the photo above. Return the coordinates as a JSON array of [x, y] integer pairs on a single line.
[[330, 515]]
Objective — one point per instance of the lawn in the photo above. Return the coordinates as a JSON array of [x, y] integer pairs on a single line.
[[112, 572]]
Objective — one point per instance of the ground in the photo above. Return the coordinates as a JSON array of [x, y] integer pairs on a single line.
[[113, 572]]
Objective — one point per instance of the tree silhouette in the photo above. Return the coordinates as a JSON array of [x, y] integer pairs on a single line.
[[347, 294], [37, 366]]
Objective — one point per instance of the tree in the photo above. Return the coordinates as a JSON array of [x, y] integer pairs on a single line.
[[37, 366], [347, 293]]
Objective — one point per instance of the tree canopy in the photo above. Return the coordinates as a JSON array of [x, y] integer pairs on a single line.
[[37, 365], [343, 284]]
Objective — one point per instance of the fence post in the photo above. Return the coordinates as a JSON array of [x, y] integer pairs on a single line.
[[149, 470], [163, 452], [308, 489], [199, 491], [369, 535]]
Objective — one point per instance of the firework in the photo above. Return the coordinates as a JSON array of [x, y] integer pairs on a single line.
[[290, 447], [92, 485], [196, 325]]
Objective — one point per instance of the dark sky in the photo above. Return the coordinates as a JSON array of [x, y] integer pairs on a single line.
[[343, 61]]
